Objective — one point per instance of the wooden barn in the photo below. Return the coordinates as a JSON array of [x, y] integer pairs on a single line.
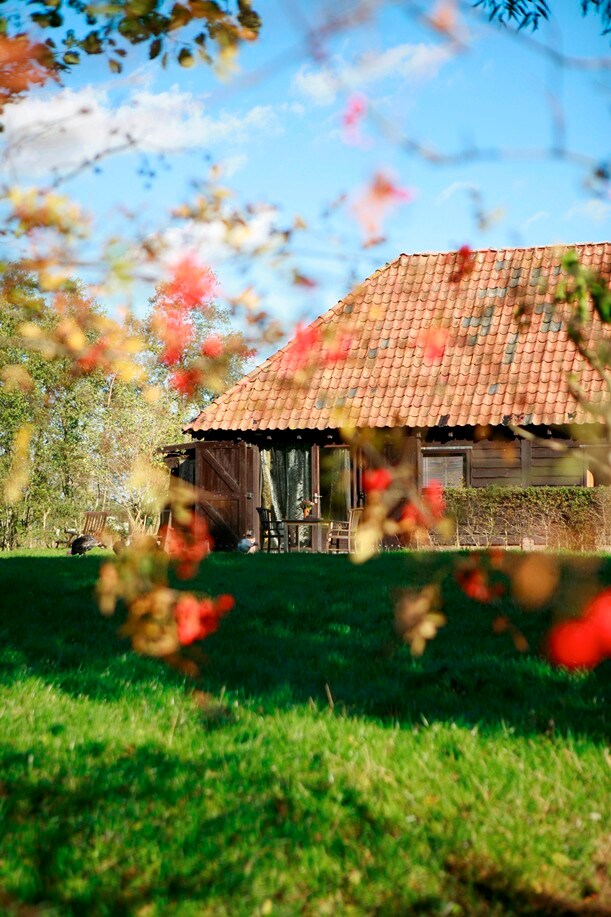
[[451, 349]]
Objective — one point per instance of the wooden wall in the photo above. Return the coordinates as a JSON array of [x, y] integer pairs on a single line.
[[515, 462], [496, 463], [496, 458]]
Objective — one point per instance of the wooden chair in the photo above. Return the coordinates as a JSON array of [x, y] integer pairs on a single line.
[[340, 537], [271, 530], [94, 524]]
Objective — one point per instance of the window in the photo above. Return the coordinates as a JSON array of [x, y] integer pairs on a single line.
[[449, 467]]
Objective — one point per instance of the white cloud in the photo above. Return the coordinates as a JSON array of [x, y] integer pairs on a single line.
[[408, 62], [232, 164], [594, 209], [69, 127], [213, 242]]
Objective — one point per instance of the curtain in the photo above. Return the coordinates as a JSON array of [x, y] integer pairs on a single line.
[[335, 483], [286, 476], [286, 473]]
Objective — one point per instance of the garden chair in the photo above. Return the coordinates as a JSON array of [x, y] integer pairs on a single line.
[[340, 537], [271, 530], [94, 524]]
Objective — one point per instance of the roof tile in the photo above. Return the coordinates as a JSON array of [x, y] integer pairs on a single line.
[[491, 369]]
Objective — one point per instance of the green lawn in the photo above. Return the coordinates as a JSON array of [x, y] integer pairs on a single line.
[[316, 769]]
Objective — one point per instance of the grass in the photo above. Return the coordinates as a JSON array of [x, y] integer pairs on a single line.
[[317, 768]]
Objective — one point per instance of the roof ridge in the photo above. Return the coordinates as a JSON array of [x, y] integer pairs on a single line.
[[503, 248]]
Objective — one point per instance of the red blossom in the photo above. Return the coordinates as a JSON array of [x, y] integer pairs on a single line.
[[411, 514], [224, 603], [208, 618], [433, 504], [376, 479], [598, 613], [432, 494], [22, 64], [174, 329], [94, 357], [583, 643], [187, 545], [352, 118], [574, 645], [338, 350], [375, 203], [305, 343], [186, 615], [192, 285], [212, 346], [474, 583], [477, 578], [186, 381], [196, 618], [465, 262], [435, 340]]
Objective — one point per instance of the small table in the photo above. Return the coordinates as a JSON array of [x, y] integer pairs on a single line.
[[316, 526]]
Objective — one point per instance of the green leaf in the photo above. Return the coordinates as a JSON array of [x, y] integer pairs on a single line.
[[155, 49], [92, 43]]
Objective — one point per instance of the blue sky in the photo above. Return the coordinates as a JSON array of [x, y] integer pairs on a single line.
[[281, 139]]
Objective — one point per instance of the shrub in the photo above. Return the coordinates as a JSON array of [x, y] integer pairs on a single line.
[[576, 518]]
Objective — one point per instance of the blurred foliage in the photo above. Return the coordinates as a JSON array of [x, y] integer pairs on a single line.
[[530, 13], [182, 31]]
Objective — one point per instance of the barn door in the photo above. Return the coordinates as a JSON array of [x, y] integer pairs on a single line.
[[227, 476]]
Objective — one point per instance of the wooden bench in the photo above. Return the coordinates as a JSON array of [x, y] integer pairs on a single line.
[[94, 523]]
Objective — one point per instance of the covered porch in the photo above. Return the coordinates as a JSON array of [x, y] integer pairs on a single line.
[[243, 481]]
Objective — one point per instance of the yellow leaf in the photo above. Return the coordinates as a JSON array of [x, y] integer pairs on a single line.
[[19, 473], [16, 378], [366, 541]]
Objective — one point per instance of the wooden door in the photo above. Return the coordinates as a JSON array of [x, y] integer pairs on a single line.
[[227, 478]]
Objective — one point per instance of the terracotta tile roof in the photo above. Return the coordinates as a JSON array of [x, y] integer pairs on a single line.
[[491, 371]]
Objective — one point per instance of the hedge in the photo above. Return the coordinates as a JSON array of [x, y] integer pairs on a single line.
[[578, 518]]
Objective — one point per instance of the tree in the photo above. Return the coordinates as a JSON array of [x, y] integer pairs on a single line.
[[44, 409], [91, 434]]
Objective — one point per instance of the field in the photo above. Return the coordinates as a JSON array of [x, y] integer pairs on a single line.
[[317, 768]]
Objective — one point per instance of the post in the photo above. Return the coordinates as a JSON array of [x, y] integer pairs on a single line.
[[526, 462]]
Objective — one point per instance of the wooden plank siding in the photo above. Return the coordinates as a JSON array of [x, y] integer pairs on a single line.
[[496, 463], [515, 462], [557, 469]]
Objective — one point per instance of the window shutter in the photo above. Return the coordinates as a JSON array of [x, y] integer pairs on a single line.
[[448, 469]]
